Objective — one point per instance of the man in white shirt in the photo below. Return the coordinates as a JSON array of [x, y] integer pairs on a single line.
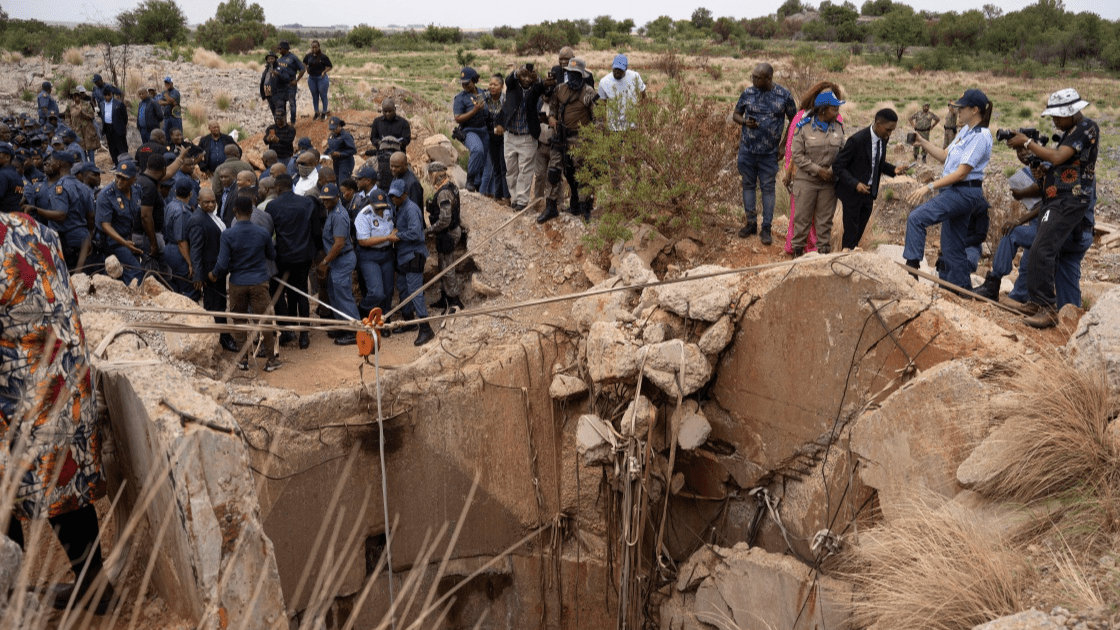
[[624, 86]]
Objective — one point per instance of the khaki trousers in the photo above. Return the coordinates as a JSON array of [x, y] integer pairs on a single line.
[[816, 203], [244, 297]]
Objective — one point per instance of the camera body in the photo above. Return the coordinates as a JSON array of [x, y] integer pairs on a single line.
[[1003, 135]]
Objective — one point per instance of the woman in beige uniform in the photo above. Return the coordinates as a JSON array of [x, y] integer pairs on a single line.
[[815, 145]]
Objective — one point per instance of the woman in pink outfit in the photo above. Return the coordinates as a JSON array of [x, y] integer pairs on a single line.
[[804, 106]]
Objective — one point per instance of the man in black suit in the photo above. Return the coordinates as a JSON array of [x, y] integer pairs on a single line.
[[213, 149], [204, 231], [858, 168], [298, 230], [115, 123]]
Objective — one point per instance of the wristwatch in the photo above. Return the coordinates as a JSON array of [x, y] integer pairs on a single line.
[[931, 188], [1027, 144]]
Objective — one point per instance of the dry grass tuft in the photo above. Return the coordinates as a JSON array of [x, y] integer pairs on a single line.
[[195, 121], [938, 568], [208, 58], [1061, 417], [10, 57], [222, 100], [73, 56], [132, 84]]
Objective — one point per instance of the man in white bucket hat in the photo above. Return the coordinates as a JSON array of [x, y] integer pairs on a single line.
[[1065, 227]]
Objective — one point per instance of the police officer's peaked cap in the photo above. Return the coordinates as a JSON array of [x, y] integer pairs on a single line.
[[329, 190], [367, 171]]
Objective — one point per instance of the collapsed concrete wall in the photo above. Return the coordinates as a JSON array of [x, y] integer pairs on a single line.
[[185, 473]]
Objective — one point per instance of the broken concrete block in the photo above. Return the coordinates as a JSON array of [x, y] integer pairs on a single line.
[[990, 458], [717, 336], [80, 282], [595, 440], [151, 287], [913, 444], [593, 272], [1096, 342], [655, 332], [191, 347], [633, 270], [752, 589], [640, 415], [707, 299], [482, 288], [665, 361], [611, 354], [605, 307], [1026, 620], [439, 149], [646, 242], [694, 431], [564, 386], [113, 267]]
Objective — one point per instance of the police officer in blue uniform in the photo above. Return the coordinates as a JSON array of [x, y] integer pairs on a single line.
[[171, 102], [412, 253], [73, 198], [341, 148], [289, 70], [117, 213], [46, 103]]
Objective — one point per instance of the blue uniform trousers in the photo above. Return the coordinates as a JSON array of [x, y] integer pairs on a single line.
[[951, 208], [339, 285], [378, 268], [478, 164]]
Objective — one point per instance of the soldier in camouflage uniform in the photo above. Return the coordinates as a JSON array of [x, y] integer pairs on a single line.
[[923, 121], [950, 125], [443, 216]]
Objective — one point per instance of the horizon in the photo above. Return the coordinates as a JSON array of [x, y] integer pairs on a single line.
[[280, 12]]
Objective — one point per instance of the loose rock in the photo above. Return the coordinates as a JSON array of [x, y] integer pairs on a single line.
[[564, 386], [717, 336], [708, 299], [113, 267], [611, 355], [695, 430], [664, 362], [595, 440], [639, 416]]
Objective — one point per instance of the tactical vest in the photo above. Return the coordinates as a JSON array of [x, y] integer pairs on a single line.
[[433, 207]]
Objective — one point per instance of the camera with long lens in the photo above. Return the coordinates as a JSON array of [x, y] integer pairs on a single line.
[[1003, 135]]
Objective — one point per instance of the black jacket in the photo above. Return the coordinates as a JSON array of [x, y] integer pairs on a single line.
[[120, 118], [205, 143], [853, 166], [399, 128], [153, 114], [514, 95], [297, 227], [205, 240]]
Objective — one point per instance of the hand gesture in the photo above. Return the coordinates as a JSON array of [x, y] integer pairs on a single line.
[[917, 195], [863, 189], [825, 174]]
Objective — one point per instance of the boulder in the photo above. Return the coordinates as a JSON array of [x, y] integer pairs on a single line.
[[989, 459], [687, 249], [611, 354], [80, 283], [593, 272], [595, 440], [113, 267], [152, 287], [717, 336], [197, 348], [707, 299], [646, 242], [1026, 620], [482, 288], [664, 362], [1095, 345], [913, 444], [605, 307], [640, 415], [458, 175], [564, 387], [633, 270], [752, 589], [694, 431], [438, 148]]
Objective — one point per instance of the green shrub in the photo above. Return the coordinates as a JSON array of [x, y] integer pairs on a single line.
[[443, 34], [463, 57], [487, 42], [363, 35], [668, 172], [542, 39], [154, 21], [504, 32]]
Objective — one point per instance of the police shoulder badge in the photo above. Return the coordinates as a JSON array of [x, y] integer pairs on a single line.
[[58, 189]]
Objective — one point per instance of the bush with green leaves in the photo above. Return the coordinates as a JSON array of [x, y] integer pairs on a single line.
[[668, 171], [487, 42], [443, 34], [154, 21], [545, 38], [236, 23], [504, 32], [363, 35], [464, 58]]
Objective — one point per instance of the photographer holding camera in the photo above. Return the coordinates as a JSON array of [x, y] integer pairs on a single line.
[[1065, 226], [1019, 232]]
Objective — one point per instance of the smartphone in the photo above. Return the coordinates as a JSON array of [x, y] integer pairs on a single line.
[[911, 137], [752, 119]]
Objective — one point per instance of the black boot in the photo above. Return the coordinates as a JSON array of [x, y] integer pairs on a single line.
[[586, 206], [441, 303], [765, 236], [304, 340], [915, 264], [426, 335], [407, 316], [748, 229], [287, 337], [550, 212], [990, 287], [227, 342], [453, 304]]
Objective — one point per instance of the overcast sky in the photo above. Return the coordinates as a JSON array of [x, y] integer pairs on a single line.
[[475, 15]]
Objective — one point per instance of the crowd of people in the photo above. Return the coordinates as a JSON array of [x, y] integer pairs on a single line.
[[824, 164]]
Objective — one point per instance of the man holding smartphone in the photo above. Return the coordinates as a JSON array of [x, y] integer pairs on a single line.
[[760, 111]]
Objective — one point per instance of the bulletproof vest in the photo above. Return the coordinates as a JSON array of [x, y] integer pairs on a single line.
[[433, 206]]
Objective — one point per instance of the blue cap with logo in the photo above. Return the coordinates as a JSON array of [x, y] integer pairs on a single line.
[[127, 169], [329, 190], [7, 148], [377, 199], [64, 156], [620, 62], [467, 74], [367, 171], [397, 188]]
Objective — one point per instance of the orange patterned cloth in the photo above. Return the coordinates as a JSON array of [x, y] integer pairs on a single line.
[[48, 431]]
